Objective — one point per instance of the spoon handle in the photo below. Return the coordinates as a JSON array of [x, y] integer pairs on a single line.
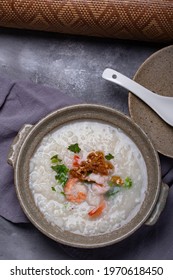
[[146, 95], [162, 105]]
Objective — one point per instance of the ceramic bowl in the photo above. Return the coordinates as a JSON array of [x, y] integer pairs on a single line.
[[29, 138]]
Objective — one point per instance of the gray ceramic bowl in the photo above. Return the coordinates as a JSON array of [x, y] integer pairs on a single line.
[[30, 136]]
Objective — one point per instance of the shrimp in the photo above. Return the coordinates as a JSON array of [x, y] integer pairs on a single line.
[[100, 189], [97, 211], [97, 178], [95, 197], [95, 193], [75, 191]]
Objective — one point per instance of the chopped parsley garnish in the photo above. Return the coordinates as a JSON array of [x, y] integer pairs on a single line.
[[55, 159], [53, 189], [63, 193], [74, 148], [127, 183], [61, 173], [60, 168], [109, 156]]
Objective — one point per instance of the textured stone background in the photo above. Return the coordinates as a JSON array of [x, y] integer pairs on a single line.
[[75, 65]]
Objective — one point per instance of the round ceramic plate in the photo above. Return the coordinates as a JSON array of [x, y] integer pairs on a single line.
[[156, 74]]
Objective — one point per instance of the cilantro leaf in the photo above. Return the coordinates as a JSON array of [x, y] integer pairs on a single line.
[[55, 159], [74, 148], [60, 168], [62, 178], [53, 189], [109, 156], [128, 183], [61, 173], [63, 193]]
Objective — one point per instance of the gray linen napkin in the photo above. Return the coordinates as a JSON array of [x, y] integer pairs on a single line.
[[21, 103]]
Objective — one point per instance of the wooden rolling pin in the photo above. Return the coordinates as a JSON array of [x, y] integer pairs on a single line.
[[146, 20]]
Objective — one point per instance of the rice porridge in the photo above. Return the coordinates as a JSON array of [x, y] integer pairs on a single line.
[[88, 178]]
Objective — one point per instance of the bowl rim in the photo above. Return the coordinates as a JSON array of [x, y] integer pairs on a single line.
[[76, 112]]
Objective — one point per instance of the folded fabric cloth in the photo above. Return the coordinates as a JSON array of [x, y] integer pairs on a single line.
[[26, 103], [21, 103]]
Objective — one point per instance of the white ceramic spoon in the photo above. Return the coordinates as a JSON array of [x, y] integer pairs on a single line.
[[162, 105]]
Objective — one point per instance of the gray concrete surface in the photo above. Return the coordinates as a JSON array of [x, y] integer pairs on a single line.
[[74, 65]]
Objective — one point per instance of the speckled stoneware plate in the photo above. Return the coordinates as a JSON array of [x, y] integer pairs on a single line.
[[28, 140], [156, 74]]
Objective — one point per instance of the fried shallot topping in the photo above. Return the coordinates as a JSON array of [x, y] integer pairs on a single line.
[[117, 180], [95, 163]]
